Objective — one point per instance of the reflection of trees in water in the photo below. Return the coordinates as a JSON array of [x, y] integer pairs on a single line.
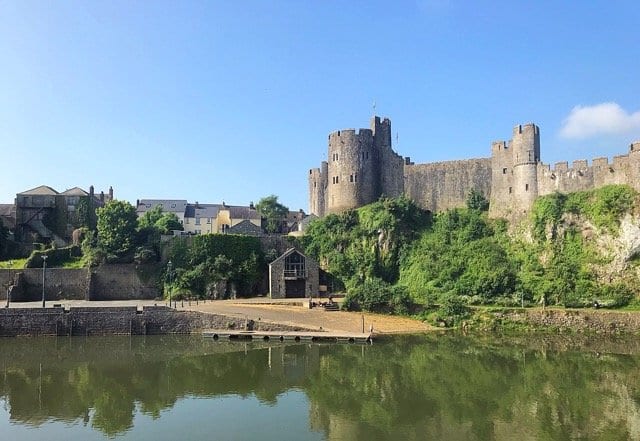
[[105, 391], [412, 388], [456, 388]]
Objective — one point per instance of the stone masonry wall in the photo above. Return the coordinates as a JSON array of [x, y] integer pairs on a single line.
[[107, 282], [118, 282], [60, 283], [442, 185], [118, 321]]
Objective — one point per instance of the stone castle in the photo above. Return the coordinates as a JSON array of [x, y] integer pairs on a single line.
[[362, 167]]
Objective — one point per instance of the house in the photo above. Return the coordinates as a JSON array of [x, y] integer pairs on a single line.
[[200, 219], [175, 206], [293, 275], [44, 214]]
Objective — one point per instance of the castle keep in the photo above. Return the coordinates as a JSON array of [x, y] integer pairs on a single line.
[[362, 167]]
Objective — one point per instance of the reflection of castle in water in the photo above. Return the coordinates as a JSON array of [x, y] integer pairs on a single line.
[[410, 388]]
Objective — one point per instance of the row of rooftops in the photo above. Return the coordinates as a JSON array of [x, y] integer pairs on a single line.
[[45, 190], [183, 209]]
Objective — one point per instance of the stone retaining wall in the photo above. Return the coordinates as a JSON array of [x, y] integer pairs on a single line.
[[117, 321], [601, 321]]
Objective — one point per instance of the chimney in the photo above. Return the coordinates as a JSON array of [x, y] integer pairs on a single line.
[[110, 193]]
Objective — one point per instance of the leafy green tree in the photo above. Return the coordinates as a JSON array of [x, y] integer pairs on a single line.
[[150, 217], [117, 222], [4, 239], [87, 213], [273, 212], [477, 201], [168, 222]]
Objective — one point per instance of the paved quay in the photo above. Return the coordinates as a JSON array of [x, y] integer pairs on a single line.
[[285, 311]]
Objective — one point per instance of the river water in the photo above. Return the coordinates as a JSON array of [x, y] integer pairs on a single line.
[[409, 388]]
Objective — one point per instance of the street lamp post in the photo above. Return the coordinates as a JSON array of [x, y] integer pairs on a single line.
[[44, 269], [169, 267]]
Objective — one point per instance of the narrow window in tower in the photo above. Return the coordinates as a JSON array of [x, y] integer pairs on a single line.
[[504, 171], [337, 179], [350, 178], [337, 156], [526, 187], [355, 177], [509, 190]]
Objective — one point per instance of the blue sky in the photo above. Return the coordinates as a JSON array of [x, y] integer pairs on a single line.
[[233, 101]]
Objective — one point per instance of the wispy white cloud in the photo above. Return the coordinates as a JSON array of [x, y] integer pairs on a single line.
[[600, 119]]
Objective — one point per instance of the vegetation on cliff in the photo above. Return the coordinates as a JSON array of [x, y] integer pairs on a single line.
[[391, 249]]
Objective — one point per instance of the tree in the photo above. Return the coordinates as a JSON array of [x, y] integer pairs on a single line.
[[168, 222], [117, 222], [157, 219], [477, 201], [4, 239], [273, 212]]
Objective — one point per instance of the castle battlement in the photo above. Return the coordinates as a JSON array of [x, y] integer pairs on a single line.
[[362, 167]]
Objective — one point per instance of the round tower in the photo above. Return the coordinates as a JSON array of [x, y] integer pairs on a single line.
[[526, 155], [351, 171]]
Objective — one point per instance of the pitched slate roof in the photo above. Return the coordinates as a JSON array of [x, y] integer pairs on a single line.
[[43, 190], [304, 223], [247, 228], [168, 205], [75, 191], [201, 210], [238, 212]]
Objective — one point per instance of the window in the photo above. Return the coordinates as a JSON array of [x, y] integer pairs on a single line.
[[186, 220], [509, 190], [526, 187], [504, 171], [355, 178], [337, 179], [197, 221], [208, 220], [294, 265], [350, 178]]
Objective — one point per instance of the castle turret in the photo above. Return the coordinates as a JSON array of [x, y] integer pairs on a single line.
[[525, 147], [317, 189], [390, 164], [501, 179], [352, 170]]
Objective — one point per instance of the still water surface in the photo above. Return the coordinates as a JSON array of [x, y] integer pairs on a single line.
[[413, 388]]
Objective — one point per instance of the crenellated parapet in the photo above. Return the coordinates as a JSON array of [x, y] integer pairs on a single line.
[[362, 166]]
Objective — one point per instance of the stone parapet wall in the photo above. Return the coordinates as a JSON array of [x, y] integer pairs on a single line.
[[118, 321]]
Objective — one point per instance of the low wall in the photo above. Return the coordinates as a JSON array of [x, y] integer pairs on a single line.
[[120, 282], [60, 283], [106, 282], [117, 321], [600, 321]]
